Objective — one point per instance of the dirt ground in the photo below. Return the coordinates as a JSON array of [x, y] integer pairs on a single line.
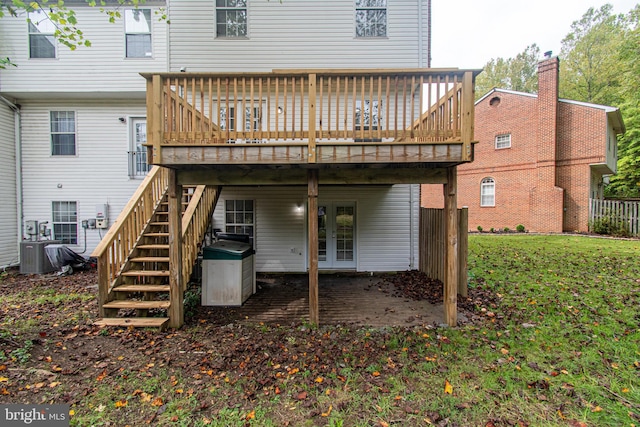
[[68, 357]]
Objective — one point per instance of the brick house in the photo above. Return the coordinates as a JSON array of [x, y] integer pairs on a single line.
[[538, 159]]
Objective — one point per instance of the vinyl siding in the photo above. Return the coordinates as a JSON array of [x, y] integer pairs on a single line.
[[8, 209], [295, 34], [98, 173], [383, 221], [101, 68]]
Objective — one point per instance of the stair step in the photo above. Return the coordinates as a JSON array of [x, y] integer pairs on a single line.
[[150, 259], [136, 322], [146, 273], [142, 288], [156, 234], [139, 305], [160, 224], [153, 246]]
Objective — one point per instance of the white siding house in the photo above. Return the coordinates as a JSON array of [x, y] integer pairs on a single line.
[[8, 189], [79, 112], [83, 115]]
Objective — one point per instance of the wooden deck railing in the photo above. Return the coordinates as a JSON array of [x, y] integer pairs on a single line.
[[114, 248], [311, 106], [195, 220]]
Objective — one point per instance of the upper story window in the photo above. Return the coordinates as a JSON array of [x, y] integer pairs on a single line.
[[137, 28], [503, 141], [488, 192], [371, 18], [63, 133], [231, 18], [42, 43]]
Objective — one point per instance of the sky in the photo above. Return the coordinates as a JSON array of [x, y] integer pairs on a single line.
[[469, 33]]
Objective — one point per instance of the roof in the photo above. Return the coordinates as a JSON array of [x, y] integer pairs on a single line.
[[613, 113]]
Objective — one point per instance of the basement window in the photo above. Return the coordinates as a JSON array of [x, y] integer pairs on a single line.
[[65, 222], [488, 192], [239, 217], [503, 141]]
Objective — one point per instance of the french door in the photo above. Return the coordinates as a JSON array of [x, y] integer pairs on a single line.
[[336, 235]]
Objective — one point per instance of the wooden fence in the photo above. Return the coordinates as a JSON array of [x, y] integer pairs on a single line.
[[432, 245], [620, 214]]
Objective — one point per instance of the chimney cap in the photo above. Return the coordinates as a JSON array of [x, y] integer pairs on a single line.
[[548, 54]]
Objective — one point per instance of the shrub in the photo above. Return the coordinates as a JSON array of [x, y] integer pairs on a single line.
[[506, 229], [609, 225], [492, 230], [480, 228], [520, 228]]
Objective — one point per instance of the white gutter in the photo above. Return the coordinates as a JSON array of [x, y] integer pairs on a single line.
[[411, 229], [420, 36], [18, 148]]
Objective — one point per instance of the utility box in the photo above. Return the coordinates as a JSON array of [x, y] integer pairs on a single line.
[[228, 276], [102, 215], [33, 258]]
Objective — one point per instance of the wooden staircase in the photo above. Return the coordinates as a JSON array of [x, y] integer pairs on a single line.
[[134, 266]]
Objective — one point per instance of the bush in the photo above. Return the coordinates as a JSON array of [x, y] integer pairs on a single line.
[[520, 228], [492, 230], [506, 229], [610, 226], [480, 228]]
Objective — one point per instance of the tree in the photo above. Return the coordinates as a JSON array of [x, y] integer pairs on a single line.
[[590, 68], [519, 73], [627, 181], [63, 18]]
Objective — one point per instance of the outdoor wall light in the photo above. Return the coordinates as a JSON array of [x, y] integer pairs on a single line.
[[280, 110], [122, 119]]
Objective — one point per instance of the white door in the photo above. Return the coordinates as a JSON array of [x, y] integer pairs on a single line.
[[138, 166], [336, 235]]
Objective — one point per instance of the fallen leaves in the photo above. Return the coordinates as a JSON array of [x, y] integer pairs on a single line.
[[448, 388]]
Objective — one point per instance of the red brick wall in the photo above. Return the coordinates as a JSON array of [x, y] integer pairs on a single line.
[[546, 169]]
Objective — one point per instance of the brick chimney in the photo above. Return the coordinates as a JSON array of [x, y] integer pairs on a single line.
[[548, 71], [547, 200]]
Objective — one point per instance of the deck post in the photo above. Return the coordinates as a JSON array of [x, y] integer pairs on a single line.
[[176, 290], [468, 96], [312, 182], [451, 248]]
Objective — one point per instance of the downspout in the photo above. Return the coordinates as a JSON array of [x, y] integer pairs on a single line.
[[18, 149], [420, 37], [411, 229]]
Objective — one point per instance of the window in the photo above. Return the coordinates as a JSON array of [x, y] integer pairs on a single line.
[[503, 141], [239, 217], [138, 166], [229, 120], [231, 18], [137, 28], [371, 18], [367, 115], [65, 222], [42, 44], [63, 133], [488, 192]]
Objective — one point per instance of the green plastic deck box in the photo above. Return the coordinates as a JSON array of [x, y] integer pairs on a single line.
[[228, 273]]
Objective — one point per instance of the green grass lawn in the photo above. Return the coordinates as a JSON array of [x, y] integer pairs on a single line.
[[558, 345]]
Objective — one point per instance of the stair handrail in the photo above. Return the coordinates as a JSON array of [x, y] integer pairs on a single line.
[[116, 246], [195, 220]]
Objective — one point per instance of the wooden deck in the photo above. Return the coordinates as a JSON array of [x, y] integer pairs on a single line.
[[319, 117], [343, 299]]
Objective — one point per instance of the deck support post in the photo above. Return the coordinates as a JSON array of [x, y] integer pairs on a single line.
[[451, 248], [312, 214], [176, 289]]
